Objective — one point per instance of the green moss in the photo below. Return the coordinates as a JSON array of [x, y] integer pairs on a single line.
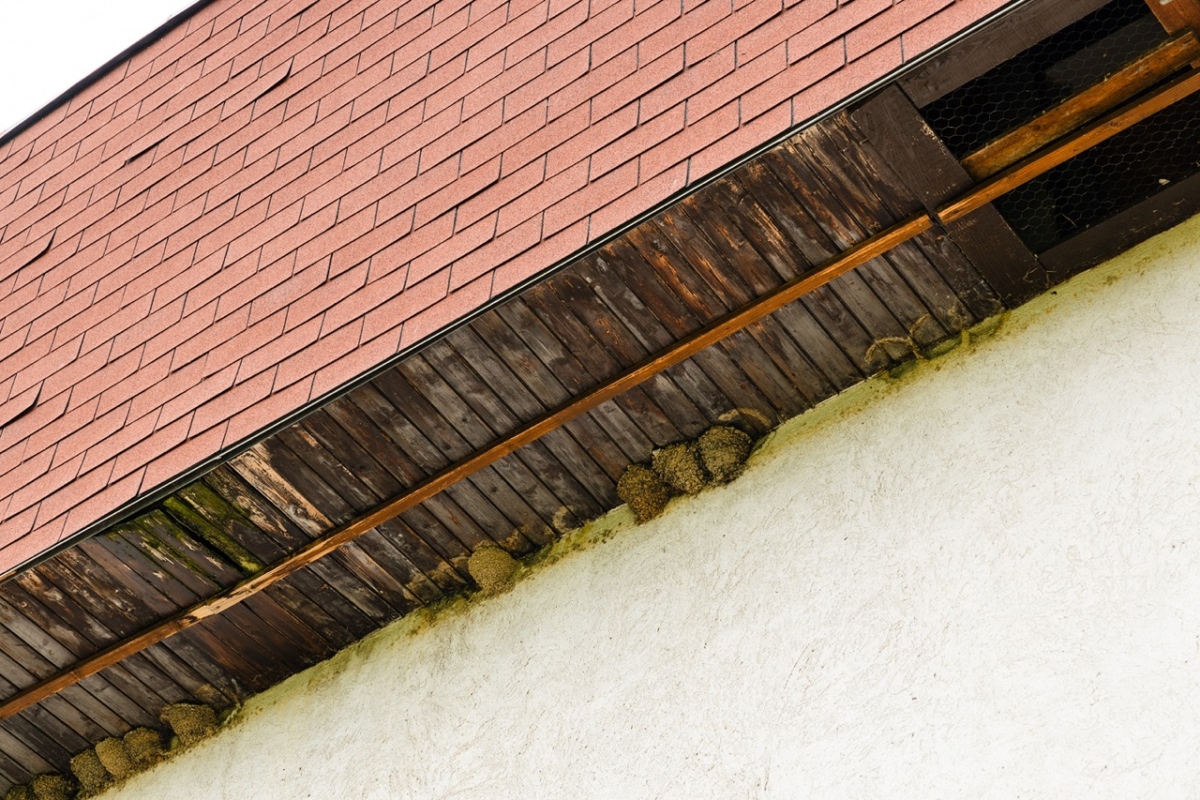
[[192, 723], [52, 787], [115, 758], [212, 535], [92, 776]]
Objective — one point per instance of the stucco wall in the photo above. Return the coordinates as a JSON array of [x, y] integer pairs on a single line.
[[981, 579]]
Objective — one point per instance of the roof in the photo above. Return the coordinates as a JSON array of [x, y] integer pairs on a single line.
[[272, 198], [839, 249]]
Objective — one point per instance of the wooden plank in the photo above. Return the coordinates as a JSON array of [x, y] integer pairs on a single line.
[[168, 684], [1177, 15], [339, 496], [463, 374], [206, 572], [719, 293], [61, 643], [825, 304], [887, 308], [401, 468], [326, 583], [1080, 109], [665, 284], [103, 601], [993, 45], [895, 128], [382, 484], [931, 293], [209, 611], [611, 437], [624, 284], [527, 501], [626, 345], [497, 511]]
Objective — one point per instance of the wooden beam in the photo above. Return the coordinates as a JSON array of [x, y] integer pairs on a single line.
[[1177, 15], [860, 254], [1066, 149], [902, 136], [1159, 64]]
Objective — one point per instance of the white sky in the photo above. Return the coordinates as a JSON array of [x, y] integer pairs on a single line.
[[46, 46]]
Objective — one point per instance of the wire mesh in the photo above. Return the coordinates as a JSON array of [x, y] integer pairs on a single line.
[[1109, 178], [1103, 181], [1035, 80]]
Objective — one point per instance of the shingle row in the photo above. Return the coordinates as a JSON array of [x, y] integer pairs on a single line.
[[279, 194]]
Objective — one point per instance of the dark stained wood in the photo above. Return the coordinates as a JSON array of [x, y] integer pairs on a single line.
[[895, 128], [993, 45]]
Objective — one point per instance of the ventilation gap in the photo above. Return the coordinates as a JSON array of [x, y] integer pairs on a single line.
[[143, 152], [303, 11], [43, 251], [282, 79], [19, 406], [1118, 174]]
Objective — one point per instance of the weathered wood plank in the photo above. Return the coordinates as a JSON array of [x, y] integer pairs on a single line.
[[463, 374], [895, 128], [325, 582]]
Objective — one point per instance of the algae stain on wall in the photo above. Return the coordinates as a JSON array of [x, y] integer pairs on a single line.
[[969, 577]]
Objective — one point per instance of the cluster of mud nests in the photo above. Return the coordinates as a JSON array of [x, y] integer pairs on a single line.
[[115, 759], [717, 457]]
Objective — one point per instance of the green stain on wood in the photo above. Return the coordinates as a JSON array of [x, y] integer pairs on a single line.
[[212, 534]]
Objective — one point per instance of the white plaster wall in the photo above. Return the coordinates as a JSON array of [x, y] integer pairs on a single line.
[[981, 580]]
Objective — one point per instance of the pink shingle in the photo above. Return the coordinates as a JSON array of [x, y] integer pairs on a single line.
[[310, 192]]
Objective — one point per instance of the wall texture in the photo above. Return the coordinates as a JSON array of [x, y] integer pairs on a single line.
[[279, 194], [979, 580]]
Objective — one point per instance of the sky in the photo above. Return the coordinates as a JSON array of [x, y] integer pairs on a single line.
[[46, 46]]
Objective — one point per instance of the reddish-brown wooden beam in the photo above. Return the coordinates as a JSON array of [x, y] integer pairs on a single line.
[[860, 254], [1075, 112], [1177, 15]]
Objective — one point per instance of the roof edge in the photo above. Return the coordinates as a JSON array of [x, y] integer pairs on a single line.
[[98, 73], [156, 494]]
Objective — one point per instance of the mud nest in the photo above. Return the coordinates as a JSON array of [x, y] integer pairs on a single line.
[[191, 723], [144, 747], [52, 787], [92, 776], [680, 467], [19, 793], [644, 492], [115, 758], [491, 568], [724, 451]]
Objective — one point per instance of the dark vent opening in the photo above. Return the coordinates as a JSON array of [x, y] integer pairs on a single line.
[[1108, 179], [1039, 78]]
